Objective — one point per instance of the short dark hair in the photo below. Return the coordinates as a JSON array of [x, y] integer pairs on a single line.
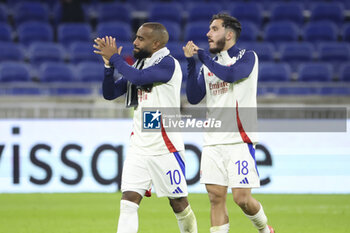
[[159, 30], [229, 22]]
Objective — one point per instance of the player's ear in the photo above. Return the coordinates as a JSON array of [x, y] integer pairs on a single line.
[[230, 35], [156, 44]]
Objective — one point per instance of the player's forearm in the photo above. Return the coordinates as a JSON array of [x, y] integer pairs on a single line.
[[157, 73], [110, 88], [241, 69], [195, 88]]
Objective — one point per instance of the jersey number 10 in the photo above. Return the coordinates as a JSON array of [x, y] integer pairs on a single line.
[[175, 176]]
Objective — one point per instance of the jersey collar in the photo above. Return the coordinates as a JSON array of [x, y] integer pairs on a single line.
[[231, 52]]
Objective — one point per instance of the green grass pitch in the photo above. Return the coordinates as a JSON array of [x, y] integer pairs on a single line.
[[98, 213]]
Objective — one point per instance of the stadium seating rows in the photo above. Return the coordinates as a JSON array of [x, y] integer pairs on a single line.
[[304, 41]]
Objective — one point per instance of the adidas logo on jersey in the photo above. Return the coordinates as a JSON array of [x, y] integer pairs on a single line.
[[177, 190], [244, 181]]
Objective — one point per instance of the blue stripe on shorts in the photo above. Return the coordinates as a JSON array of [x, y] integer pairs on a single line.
[[180, 161]]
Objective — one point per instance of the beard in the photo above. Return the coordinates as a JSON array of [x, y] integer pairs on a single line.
[[142, 53], [219, 46]]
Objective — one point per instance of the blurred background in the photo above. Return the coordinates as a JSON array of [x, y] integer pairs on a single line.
[[60, 139], [46, 49], [48, 71]]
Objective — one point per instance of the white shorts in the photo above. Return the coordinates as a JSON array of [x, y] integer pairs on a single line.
[[231, 165], [165, 172]]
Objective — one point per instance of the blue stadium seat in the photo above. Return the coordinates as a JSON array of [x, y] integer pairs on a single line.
[[11, 52], [176, 50], [173, 29], [121, 31], [248, 11], [128, 49], [83, 51], [261, 91], [189, 3], [90, 71], [3, 14], [291, 11], [196, 32], [327, 11], [334, 52], [315, 72], [250, 31], [70, 91], [107, 12], [268, 5], [68, 33], [296, 91], [29, 32], [56, 72], [5, 32], [346, 32], [31, 11], [13, 3], [274, 72], [284, 31], [52, 3], [264, 50], [335, 91], [320, 31], [299, 51], [346, 3], [24, 91], [344, 72], [296, 53], [165, 11], [202, 12], [14, 72], [140, 5], [40, 52]]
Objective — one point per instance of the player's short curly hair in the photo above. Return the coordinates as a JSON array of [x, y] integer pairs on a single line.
[[229, 22]]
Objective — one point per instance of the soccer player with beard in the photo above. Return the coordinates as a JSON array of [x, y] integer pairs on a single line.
[[229, 80], [153, 157]]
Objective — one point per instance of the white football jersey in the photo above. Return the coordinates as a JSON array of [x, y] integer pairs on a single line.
[[240, 95], [163, 95]]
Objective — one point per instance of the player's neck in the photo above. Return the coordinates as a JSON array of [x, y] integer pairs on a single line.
[[228, 45], [156, 50]]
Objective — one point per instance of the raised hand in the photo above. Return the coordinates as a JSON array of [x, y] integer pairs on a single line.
[[106, 47], [190, 49], [105, 60]]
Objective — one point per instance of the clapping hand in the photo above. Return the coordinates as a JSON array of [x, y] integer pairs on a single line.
[[106, 47], [190, 49]]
